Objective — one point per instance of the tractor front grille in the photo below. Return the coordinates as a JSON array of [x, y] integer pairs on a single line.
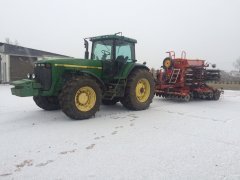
[[43, 74]]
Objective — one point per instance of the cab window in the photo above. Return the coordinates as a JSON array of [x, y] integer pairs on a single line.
[[102, 50], [125, 49]]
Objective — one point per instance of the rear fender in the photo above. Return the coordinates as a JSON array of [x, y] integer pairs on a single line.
[[135, 67]]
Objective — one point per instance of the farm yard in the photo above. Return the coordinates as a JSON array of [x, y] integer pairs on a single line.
[[170, 140], [150, 94]]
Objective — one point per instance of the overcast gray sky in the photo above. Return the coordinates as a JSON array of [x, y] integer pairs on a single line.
[[206, 29]]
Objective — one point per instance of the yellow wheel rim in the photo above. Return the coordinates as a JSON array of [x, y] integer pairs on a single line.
[[167, 63], [143, 90], [85, 98]]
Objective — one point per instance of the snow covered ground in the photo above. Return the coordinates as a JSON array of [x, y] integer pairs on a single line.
[[170, 140]]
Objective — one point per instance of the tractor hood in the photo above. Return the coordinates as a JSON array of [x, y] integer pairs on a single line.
[[73, 62]]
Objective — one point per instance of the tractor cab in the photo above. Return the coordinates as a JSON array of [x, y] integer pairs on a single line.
[[114, 51]]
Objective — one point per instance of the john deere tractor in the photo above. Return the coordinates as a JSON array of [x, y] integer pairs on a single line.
[[79, 86]]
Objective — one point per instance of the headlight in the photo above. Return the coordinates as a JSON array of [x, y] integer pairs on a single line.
[[28, 75], [33, 76], [46, 65]]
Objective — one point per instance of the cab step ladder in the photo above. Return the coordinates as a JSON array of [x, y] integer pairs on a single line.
[[174, 76]]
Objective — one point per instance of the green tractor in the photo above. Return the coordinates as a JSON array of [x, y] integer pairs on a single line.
[[79, 86]]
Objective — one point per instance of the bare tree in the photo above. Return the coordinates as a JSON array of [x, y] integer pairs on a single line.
[[16, 43], [236, 64], [8, 41]]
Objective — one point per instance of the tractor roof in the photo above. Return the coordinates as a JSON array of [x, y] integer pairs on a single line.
[[114, 36]]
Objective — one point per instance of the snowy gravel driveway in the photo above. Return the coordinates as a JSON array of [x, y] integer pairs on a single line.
[[170, 140]]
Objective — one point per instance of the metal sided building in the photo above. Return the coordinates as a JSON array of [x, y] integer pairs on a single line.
[[17, 61]]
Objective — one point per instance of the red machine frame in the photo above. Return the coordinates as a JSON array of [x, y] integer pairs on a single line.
[[184, 79]]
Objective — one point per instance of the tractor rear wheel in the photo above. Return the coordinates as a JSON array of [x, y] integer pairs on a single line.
[[139, 90], [80, 98], [48, 103]]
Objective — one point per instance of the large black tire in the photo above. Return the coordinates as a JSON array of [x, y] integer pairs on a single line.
[[48, 103], [74, 91], [130, 99], [108, 102]]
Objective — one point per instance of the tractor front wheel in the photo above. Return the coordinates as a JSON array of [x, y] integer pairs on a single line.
[[80, 98], [139, 90], [48, 103]]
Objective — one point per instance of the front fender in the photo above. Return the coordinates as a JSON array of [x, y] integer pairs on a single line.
[[90, 74], [100, 82], [25, 87]]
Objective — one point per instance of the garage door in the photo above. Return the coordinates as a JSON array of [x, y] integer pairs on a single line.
[[20, 66]]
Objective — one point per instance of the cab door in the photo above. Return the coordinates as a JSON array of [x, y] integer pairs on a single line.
[[124, 53], [103, 51]]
